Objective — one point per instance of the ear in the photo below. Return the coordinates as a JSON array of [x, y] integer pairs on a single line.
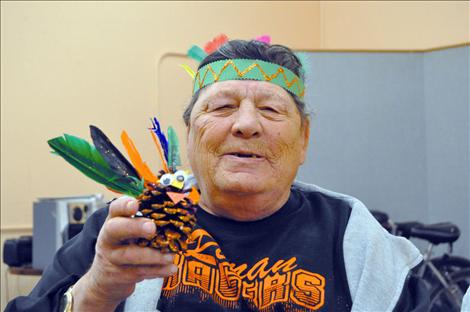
[[188, 128], [305, 138]]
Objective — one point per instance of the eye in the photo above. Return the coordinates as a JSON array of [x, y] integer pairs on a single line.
[[224, 107], [180, 176], [268, 109], [167, 179]]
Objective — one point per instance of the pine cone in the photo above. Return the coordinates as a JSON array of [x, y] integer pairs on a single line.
[[174, 222]]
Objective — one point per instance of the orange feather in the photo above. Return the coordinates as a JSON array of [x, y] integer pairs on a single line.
[[215, 43], [160, 152], [136, 159], [194, 196]]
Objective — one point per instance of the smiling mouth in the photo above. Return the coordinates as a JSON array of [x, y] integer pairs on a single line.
[[244, 155]]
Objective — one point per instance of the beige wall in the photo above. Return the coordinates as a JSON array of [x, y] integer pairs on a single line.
[[65, 65], [392, 25], [68, 65]]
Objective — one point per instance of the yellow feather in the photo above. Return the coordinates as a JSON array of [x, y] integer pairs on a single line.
[[189, 70]]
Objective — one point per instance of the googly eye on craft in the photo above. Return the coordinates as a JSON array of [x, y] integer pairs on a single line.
[[189, 182], [181, 175], [167, 179]]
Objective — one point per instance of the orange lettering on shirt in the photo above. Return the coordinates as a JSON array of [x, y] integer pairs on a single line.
[[198, 274], [205, 267], [228, 283], [274, 289], [250, 291], [308, 289]]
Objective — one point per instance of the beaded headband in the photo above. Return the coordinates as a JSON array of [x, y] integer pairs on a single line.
[[241, 69], [248, 69]]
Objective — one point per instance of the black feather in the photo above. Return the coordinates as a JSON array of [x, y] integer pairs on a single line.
[[118, 163]]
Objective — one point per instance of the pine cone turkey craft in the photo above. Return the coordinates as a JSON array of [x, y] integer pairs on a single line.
[[169, 199], [172, 213]]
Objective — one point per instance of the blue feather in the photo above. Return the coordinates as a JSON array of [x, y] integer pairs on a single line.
[[161, 136]]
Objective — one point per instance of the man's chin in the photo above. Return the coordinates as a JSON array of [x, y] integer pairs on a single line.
[[248, 186]]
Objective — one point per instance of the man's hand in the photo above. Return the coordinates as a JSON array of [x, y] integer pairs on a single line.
[[119, 263]]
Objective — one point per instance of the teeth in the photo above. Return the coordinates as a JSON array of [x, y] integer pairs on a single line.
[[246, 155]]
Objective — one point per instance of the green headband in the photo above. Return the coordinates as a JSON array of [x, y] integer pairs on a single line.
[[248, 69]]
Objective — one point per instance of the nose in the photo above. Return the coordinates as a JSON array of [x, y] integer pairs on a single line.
[[246, 124]]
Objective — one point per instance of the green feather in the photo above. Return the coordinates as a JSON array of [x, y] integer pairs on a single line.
[[196, 53], [173, 149], [84, 156]]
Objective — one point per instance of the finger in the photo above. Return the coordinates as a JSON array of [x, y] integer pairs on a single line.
[[133, 274], [147, 272], [124, 206], [136, 255], [119, 229]]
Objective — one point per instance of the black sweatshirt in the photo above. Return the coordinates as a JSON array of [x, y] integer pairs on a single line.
[[289, 261]]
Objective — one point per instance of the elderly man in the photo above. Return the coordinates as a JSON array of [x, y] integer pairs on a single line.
[[263, 242]]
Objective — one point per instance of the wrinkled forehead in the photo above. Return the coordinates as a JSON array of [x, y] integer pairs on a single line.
[[240, 89]]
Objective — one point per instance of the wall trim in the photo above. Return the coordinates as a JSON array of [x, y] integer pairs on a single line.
[[16, 228], [458, 45]]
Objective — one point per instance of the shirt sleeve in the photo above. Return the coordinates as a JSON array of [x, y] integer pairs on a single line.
[[378, 264], [70, 263], [466, 301]]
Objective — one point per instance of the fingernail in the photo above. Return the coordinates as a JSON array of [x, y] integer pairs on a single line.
[[132, 204], [174, 269], [168, 258], [149, 227]]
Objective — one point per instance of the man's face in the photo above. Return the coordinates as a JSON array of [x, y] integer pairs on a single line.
[[245, 137]]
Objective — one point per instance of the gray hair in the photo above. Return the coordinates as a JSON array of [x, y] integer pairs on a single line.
[[257, 50]]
